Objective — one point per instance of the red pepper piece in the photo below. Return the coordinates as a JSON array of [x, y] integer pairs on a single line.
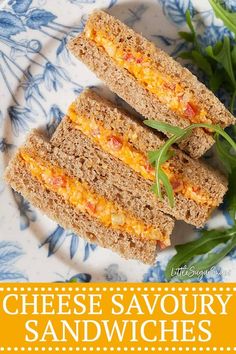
[[169, 85], [148, 167], [128, 57], [139, 60], [177, 185], [196, 189], [91, 207], [115, 142], [58, 181], [180, 97], [191, 110]]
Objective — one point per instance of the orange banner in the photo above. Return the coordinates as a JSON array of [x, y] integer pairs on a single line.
[[117, 317]]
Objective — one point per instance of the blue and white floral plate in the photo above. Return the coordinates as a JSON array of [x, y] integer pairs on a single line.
[[38, 80]]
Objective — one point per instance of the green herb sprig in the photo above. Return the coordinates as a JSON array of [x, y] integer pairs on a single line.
[[165, 152], [229, 18], [228, 158], [209, 240], [218, 62]]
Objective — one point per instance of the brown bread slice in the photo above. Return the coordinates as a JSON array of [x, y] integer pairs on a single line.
[[53, 205], [74, 143], [126, 86]]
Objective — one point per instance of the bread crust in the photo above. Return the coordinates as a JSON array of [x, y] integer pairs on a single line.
[[53, 205], [89, 165], [127, 87], [74, 143]]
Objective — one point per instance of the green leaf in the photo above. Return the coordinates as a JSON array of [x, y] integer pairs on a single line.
[[225, 153], [168, 188], [219, 57], [163, 127], [189, 22], [183, 136], [207, 242], [229, 18], [231, 196], [211, 259], [217, 47], [158, 177], [189, 37], [224, 58], [154, 188], [153, 156], [216, 80], [233, 55], [214, 128], [186, 55], [191, 27], [202, 62], [161, 155]]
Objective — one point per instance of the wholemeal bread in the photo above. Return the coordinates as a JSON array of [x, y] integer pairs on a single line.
[[55, 206], [149, 104], [73, 142]]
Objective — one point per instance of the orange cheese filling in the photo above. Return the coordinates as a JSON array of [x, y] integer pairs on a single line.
[[120, 147], [174, 95], [81, 197]]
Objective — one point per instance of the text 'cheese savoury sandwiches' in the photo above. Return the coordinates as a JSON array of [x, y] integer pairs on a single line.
[[149, 79], [78, 192], [114, 146]]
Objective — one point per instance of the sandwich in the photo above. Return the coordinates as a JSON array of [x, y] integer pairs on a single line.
[[149, 80], [77, 190], [114, 144]]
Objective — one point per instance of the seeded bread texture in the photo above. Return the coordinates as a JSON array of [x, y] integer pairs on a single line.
[[74, 143], [127, 87], [54, 206], [90, 167]]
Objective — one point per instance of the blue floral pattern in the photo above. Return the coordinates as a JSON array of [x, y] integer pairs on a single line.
[[113, 274], [77, 278], [57, 238], [27, 215], [5, 146], [15, 21], [38, 79], [135, 15], [55, 117], [9, 254], [155, 274], [175, 10]]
